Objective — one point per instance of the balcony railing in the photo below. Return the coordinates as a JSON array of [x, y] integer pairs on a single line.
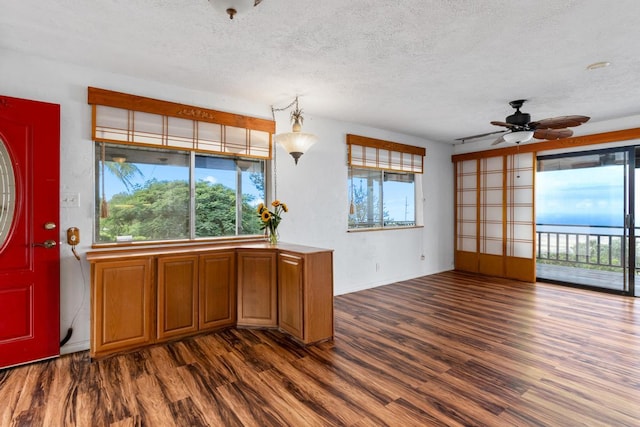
[[579, 246]]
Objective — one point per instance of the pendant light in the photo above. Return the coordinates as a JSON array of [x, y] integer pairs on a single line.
[[295, 142]]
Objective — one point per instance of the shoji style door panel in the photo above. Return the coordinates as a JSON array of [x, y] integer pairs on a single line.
[[520, 221], [495, 225], [491, 204], [466, 253]]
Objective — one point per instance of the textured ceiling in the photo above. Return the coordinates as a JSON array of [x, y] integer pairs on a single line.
[[439, 69]]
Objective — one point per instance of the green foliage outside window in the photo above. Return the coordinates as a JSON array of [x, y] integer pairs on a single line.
[[216, 214], [159, 210]]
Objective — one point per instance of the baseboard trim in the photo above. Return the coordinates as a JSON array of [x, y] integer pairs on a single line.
[[74, 347]]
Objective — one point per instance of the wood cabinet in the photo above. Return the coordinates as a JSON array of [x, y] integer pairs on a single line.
[[290, 293], [177, 296], [305, 292], [142, 296], [217, 290], [257, 288], [121, 305]]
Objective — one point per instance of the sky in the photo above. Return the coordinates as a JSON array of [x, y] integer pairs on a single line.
[[399, 200], [586, 196]]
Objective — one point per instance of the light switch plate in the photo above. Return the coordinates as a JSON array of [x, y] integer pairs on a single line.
[[70, 200]]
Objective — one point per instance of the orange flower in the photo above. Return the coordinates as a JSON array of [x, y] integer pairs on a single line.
[[275, 203], [284, 207], [266, 215], [260, 208]]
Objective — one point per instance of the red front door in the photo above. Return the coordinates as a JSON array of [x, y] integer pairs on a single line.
[[29, 214]]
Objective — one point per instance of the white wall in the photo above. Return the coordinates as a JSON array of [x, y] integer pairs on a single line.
[[317, 195], [315, 190]]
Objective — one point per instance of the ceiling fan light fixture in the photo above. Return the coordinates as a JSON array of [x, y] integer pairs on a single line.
[[518, 136]]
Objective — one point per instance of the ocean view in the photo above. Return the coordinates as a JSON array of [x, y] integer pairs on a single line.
[[581, 229], [585, 222]]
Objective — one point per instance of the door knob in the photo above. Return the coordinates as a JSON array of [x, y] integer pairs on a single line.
[[46, 244]]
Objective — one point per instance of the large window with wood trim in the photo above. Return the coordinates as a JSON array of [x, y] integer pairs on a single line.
[[160, 177], [153, 194], [382, 183]]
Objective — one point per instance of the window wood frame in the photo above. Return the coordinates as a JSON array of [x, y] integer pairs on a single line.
[[355, 142], [165, 109]]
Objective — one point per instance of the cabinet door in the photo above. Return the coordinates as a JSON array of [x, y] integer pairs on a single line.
[[177, 296], [318, 297], [290, 294], [257, 293], [122, 305], [217, 290]]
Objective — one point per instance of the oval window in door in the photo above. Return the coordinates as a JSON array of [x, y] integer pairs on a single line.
[[7, 193]]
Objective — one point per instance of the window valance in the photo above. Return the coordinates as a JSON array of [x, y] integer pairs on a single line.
[[129, 119], [379, 154]]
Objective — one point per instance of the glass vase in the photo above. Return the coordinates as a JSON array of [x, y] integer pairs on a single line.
[[273, 236]]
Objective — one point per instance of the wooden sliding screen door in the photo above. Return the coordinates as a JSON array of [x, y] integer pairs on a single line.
[[495, 226]]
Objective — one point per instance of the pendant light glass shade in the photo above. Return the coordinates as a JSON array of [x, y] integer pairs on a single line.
[[296, 143]]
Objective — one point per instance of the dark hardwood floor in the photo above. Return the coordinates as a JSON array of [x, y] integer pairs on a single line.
[[446, 349]]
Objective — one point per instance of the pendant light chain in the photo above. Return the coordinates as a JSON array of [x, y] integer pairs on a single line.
[[273, 110], [275, 156]]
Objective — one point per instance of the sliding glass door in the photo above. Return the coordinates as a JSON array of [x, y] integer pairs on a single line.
[[585, 204]]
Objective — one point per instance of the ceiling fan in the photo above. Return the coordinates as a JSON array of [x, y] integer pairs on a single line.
[[520, 128]]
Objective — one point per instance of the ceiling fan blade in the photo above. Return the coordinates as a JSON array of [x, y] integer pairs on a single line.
[[549, 134], [465, 138], [498, 141], [505, 124], [559, 122]]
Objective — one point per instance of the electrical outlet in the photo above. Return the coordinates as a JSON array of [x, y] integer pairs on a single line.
[[70, 200]]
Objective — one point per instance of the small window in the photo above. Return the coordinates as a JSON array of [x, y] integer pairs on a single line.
[[382, 185], [153, 194], [381, 199]]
